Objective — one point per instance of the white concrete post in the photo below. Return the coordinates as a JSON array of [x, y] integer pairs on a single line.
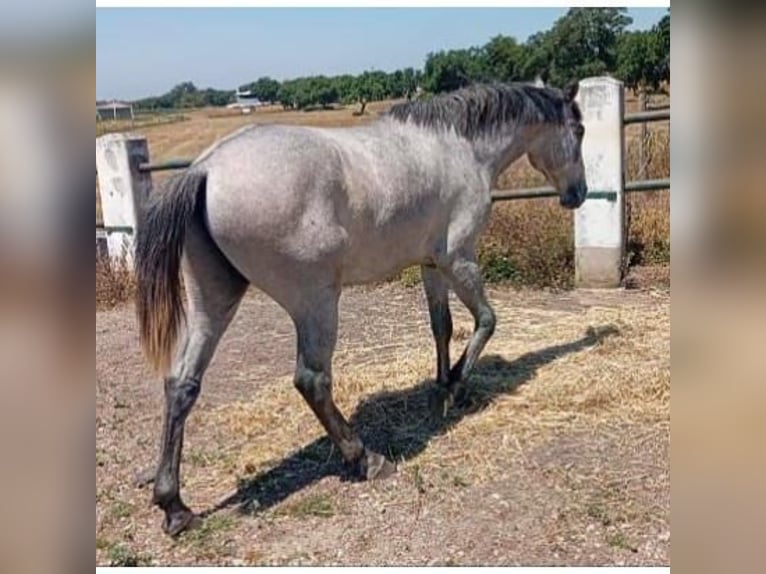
[[122, 187], [600, 221]]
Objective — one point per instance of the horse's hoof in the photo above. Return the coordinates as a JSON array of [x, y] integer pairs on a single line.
[[180, 521], [144, 478], [376, 466]]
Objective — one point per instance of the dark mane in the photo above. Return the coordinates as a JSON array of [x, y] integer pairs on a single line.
[[483, 108]]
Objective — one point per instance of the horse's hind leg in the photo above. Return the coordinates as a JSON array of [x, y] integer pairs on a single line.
[[437, 294], [464, 276], [316, 326], [214, 290]]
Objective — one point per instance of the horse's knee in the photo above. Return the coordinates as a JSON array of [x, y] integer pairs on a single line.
[[314, 385]]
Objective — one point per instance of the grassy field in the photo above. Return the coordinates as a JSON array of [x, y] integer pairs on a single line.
[[528, 242], [140, 123]]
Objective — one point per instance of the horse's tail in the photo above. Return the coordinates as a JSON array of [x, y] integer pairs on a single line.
[[159, 248]]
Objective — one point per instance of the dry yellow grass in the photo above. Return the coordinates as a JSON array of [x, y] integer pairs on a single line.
[[566, 424], [203, 127], [606, 368]]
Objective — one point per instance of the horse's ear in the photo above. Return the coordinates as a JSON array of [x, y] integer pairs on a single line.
[[570, 93]]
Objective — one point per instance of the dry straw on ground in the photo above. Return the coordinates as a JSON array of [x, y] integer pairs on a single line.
[[611, 369], [562, 439], [114, 282]]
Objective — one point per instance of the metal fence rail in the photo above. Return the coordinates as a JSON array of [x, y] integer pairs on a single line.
[[165, 165], [646, 117]]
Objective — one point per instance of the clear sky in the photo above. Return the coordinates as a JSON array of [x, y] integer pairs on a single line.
[[143, 52]]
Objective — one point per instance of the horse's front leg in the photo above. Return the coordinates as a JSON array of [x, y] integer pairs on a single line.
[[437, 294], [464, 277]]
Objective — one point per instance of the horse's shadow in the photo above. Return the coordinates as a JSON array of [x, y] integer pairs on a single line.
[[399, 424]]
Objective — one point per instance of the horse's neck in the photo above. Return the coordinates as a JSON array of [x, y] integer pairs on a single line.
[[495, 152]]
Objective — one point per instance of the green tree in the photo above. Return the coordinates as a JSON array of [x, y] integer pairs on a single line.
[[217, 98], [635, 61], [447, 71], [323, 91], [504, 59], [643, 59], [535, 58], [344, 86], [265, 89], [286, 95], [662, 47], [186, 95], [309, 92], [369, 87], [581, 43]]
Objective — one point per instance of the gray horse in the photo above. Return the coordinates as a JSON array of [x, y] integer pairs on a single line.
[[300, 212]]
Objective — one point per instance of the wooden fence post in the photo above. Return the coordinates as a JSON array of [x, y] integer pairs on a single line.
[[642, 107], [122, 188], [600, 221]]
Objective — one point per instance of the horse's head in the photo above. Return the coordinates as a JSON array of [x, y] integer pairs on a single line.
[[557, 153]]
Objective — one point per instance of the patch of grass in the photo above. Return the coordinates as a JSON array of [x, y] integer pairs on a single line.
[[459, 481], [411, 277], [313, 505], [121, 509], [528, 243], [498, 267], [205, 534], [598, 512], [418, 479], [619, 540], [198, 458], [102, 543], [120, 555]]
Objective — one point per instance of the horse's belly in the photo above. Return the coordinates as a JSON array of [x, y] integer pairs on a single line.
[[357, 273], [382, 257]]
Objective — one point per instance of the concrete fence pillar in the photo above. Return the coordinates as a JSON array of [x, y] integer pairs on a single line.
[[122, 188], [600, 221]]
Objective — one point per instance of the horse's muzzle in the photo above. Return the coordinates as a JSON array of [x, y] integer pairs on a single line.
[[574, 196]]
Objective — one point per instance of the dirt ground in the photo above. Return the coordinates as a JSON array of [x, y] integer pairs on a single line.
[[560, 455]]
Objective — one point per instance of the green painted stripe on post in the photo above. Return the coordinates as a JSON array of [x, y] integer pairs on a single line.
[[608, 195], [115, 229]]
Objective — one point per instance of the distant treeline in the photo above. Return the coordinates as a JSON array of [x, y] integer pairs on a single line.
[[584, 42]]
